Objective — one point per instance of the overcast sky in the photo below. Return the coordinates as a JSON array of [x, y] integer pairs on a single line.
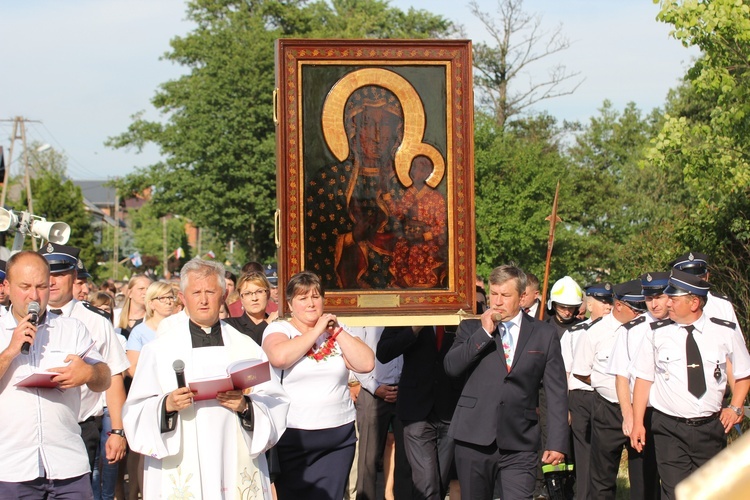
[[83, 67]]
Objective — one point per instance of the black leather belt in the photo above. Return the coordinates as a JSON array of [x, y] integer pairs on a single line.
[[692, 422]]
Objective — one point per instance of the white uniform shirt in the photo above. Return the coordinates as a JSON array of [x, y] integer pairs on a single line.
[[719, 307], [627, 344], [592, 353], [568, 344], [661, 359], [40, 432], [384, 373], [106, 342]]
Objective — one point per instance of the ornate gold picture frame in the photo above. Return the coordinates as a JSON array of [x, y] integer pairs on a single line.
[[375, 173]]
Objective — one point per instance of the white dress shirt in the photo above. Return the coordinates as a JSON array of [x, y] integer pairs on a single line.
[[40, 433], [384, 373]]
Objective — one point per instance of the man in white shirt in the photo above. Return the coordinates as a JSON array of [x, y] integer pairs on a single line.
[[41, 450], [681, 370], [623, 353], [590, 362], [64, 265], [581, 395]]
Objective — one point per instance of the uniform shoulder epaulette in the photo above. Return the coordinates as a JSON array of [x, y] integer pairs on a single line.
[[95, 309], [579, 326], [660, 323], [597, 320], [722, 297], [637, 321], [724, 322]]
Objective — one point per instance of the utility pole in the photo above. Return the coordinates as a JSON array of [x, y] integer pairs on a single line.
[[19, 132], [116, 239], [165, 271]]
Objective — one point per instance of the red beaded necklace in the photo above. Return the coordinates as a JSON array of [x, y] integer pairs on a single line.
[[326, 349]]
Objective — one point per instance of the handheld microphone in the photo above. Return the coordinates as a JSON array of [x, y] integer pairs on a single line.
[[179, 371], [33, 310]]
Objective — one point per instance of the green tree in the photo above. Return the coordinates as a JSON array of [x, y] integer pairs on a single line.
[[58, 199], [518, 42], [218, 135], [706, 138], [516, 173], [616, 201]]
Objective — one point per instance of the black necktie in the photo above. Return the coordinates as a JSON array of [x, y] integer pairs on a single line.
[[695, 376], [56, 311]]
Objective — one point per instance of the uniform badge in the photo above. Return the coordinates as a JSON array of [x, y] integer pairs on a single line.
[[607, 286], [649, 278], [50, 248], [690, 257], [80, 264]]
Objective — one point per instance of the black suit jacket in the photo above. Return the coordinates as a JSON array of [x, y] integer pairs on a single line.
[[501, 406], [423, 386]]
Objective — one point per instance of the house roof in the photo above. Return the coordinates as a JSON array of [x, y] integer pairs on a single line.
[[97, 193]]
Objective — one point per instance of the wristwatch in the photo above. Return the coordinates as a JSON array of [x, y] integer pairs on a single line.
[[119, 432], [737, 410]]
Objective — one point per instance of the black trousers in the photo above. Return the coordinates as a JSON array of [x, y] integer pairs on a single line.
[[581, 405], [607, 440], [484, 470], [682, 448], [91, 429], [430, 454]]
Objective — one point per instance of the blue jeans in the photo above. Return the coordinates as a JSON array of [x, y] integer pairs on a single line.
[[104, 480]]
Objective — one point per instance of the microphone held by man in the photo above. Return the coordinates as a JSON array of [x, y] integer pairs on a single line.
[[33, 311]]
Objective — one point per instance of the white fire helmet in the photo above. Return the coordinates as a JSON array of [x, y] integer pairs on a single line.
[[565, 292]]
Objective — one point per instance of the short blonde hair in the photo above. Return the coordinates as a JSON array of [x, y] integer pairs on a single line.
[[257, 279], [156, 289]]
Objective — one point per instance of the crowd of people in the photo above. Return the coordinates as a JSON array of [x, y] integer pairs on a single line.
[[489, 409]]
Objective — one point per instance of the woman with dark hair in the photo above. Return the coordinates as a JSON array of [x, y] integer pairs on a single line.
[[312, 355], [254, 290]]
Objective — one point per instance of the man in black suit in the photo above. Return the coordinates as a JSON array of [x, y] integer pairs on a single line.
[[425, 404], [504, 356]]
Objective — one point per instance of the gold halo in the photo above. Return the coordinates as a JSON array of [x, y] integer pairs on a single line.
[[414, 121]]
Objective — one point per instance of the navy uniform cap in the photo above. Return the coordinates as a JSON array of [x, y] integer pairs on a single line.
[[654, 283], [600, 291], [2, 269], [684, 283], [272, 276], [83, 273], [692, 262], [61, 258], [630, 292]]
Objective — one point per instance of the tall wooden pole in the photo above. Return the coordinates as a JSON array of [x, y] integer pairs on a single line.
[[553, 220]]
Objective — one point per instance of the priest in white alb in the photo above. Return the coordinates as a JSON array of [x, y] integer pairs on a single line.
[[202, 449]]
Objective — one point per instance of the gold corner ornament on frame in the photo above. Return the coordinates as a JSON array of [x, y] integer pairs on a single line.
[[375, 173]]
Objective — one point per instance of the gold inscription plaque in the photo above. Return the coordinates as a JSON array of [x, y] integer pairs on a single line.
[[376, 301]]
